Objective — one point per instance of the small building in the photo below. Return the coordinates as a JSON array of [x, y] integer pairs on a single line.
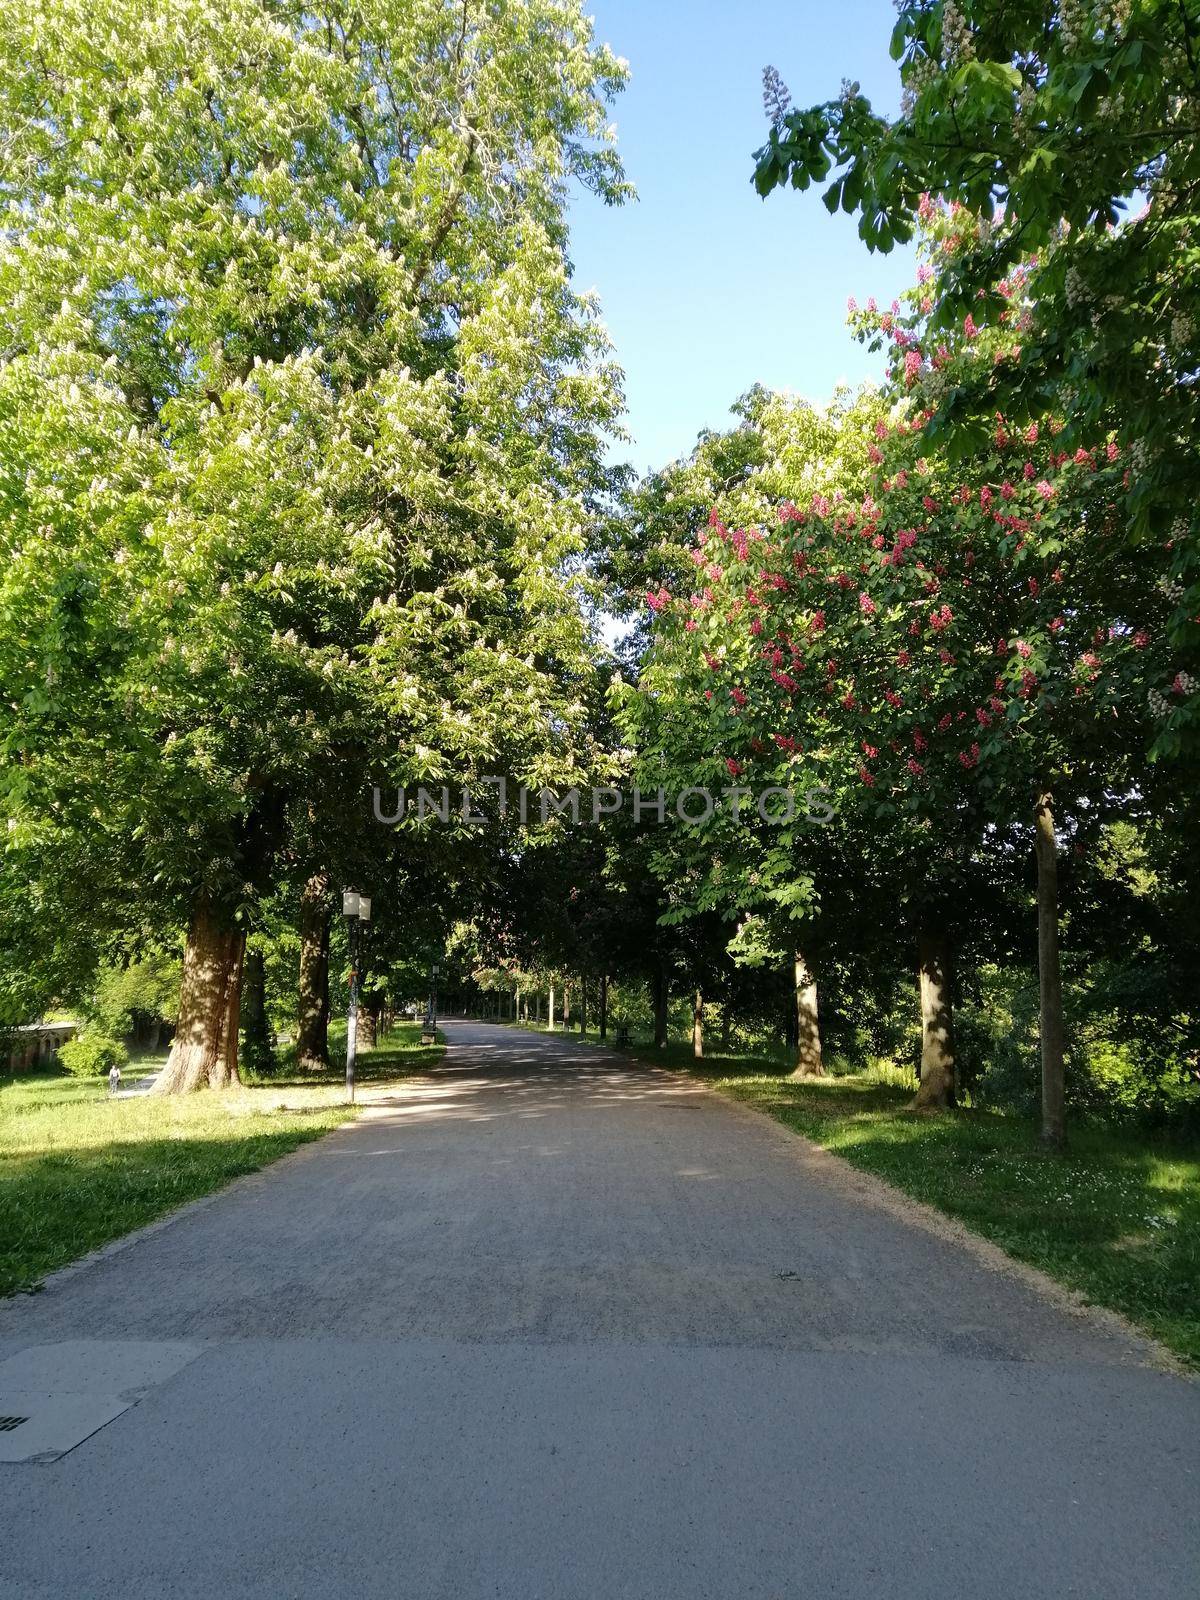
[[33, 1046]]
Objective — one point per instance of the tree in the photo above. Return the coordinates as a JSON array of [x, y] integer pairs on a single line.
[[1041, 124], [301, 425], [742, 869], [950, 647]]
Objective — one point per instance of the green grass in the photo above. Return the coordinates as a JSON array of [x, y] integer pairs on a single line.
[[1116, 1218], [78, 1168]]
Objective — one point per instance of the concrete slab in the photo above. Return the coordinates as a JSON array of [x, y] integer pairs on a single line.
[[124, 1368], [67, 1390], [54, 1423]]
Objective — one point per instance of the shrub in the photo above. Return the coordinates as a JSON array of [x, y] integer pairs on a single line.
[[996, 1037], [91, 1055]]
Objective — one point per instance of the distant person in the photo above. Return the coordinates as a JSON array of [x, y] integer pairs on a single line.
[[114, 1078]]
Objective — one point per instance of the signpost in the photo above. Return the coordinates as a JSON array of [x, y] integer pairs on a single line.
[[429, 1026], [356, 908]]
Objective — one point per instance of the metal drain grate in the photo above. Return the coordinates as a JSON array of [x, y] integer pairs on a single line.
[[7, 1424]]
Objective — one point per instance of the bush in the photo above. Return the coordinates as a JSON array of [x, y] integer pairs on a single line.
[[92, 1055], [1132, 1080], [995, 1033]]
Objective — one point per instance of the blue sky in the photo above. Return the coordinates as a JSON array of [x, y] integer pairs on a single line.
[[706, 289]]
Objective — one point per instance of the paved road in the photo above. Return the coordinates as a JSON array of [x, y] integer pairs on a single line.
[[550, 1326]]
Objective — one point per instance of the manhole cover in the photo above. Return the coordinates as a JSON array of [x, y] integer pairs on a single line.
[[7, 1424]]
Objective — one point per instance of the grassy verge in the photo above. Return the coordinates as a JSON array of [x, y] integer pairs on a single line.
[[1117, 1217], [78, 1168]]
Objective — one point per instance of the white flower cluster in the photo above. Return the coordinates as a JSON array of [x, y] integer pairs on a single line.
[[1075, 288], [921, 73], [1185, 683], [1179, 528], [1159, 705], [1075, 25], [850, 92], [1181, 331], [776, 97], [1026, 110], [1139, 454], [958, 43], [1172, 588]]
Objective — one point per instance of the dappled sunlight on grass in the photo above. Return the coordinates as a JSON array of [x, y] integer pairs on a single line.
[[78, 1167]]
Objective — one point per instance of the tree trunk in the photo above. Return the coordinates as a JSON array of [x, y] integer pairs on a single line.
[[257, 1055], [1054, 1117], [312, 1036], [582, 1007], [808, 1024], [698, 1024], [566, 1006], [603, 1019], [550, 1012], [204, 1054], [368, 1025], [936, 1089], [661, 1001]]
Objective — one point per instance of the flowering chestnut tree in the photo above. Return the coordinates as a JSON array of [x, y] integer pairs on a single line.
[[1067, 136], [764, 870], [301, 430], [953, 646]]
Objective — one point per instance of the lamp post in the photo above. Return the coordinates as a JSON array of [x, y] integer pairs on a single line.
[[356, 908]]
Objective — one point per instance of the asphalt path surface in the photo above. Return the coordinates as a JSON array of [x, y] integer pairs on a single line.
[[551, 1325]]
